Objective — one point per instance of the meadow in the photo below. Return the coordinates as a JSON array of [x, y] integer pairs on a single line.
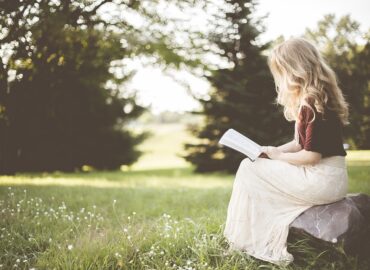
[[156, 214]]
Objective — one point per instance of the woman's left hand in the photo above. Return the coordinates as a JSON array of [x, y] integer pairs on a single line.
[[272, 151]]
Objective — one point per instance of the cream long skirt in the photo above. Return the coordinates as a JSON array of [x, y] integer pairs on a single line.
[[268, 195]]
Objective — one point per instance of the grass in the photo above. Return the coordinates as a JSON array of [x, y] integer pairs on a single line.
[[164, 148], [154, 218]]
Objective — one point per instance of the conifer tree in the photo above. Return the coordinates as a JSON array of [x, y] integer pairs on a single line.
[[242, 96]]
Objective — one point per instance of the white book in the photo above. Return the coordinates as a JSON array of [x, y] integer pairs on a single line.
[[237, 141]]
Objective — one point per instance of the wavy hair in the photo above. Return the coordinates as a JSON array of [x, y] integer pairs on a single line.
[[302, 76]]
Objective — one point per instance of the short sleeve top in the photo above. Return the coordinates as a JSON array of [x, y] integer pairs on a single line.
[[322, 135]]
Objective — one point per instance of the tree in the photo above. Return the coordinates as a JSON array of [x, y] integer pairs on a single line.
[[59, 114], [62, 103], [347, 51], [242, 95]]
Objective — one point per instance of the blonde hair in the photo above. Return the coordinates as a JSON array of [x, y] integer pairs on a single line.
[[302, 77]]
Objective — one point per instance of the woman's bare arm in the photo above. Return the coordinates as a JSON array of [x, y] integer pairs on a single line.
[[290, 147], [302, 157]]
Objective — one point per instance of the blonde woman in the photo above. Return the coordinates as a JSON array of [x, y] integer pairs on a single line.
[[269, 193]]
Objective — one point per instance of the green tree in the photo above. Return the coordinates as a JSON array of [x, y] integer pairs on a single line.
[[62, 103], [242, 95], [347, 50], [59, 113]]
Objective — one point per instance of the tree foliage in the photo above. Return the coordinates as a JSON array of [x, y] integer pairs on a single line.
[[242, 95], [63, 101], [347, 50]]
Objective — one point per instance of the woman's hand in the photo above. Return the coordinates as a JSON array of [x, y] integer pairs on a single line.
[[272, 152]]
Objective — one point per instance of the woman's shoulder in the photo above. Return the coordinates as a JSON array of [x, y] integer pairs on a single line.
[[308, 112]]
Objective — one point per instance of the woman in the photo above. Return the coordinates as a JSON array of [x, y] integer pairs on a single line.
[[269, 193]]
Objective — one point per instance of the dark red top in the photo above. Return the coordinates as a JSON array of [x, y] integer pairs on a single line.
[[324, 136]]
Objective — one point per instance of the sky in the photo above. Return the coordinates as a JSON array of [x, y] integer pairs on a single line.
[[286, 17]]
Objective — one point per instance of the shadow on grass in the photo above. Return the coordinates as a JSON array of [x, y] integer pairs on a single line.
[[113, 174], [317, 254]]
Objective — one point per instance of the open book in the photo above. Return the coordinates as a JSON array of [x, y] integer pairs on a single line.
[[241, 143]]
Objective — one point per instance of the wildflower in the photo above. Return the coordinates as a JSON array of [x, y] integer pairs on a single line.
[[70, 247]]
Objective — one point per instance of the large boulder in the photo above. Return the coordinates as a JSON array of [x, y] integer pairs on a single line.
[[345, 222]]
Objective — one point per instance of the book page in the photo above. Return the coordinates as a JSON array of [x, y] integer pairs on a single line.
[[241, 143]]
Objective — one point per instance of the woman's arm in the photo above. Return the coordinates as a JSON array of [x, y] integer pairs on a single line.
[[290, 147], [302, 157]]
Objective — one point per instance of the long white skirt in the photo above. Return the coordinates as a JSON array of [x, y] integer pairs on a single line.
[[269, 194]]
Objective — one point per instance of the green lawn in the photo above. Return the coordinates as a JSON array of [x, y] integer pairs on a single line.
[[143, 218]]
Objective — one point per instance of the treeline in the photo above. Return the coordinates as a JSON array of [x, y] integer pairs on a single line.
[[64, 102]]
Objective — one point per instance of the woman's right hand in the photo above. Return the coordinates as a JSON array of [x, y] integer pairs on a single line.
[[264, 154], [272, 152]]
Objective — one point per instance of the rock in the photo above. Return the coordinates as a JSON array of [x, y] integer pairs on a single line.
[[345, 222]]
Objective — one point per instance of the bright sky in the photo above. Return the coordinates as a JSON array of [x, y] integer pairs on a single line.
[[286, 17]]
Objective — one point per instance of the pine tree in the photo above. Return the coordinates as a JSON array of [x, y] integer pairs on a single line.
[[242, 96]]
